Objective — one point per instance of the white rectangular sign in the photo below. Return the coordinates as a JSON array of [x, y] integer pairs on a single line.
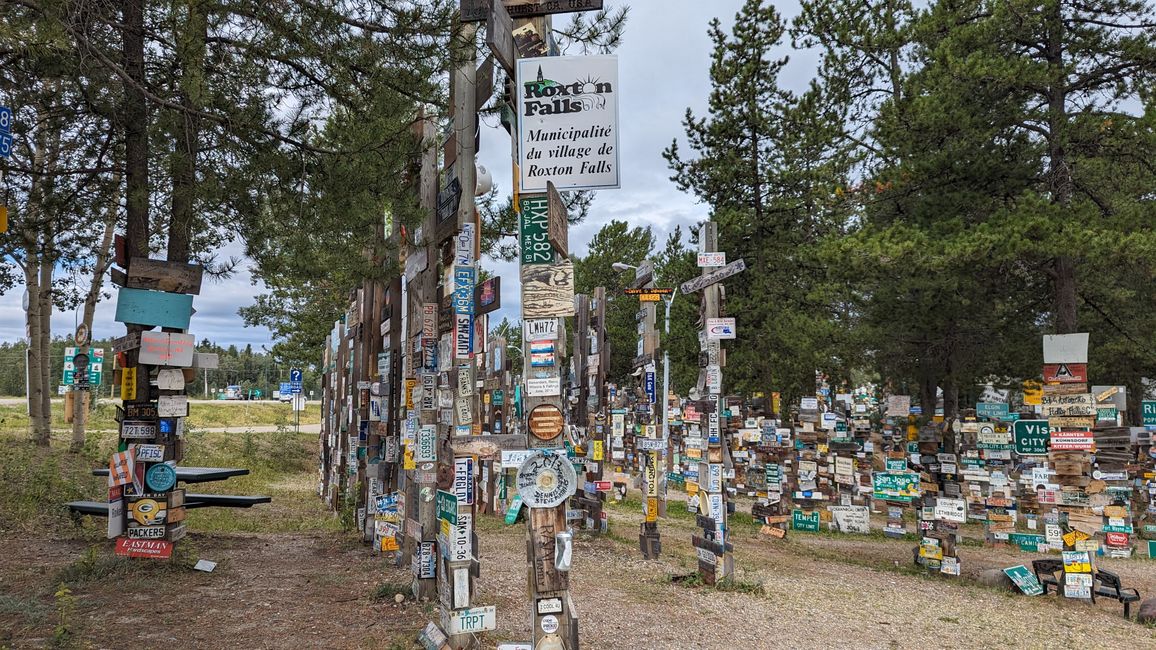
[[707, 260], [720, 328], [541, 329], [477, 619], [547, 387], [1066, 348], [568, 122]]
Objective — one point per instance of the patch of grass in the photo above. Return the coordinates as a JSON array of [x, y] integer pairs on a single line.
[[205, 414], [387, 591], [736, 585], [36, 482], [32, 611], [948, 619]]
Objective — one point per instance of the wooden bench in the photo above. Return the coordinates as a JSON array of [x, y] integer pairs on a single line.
[[1107, 584], [100, 508]]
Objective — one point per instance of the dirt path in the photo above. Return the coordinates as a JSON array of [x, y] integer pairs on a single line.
[[314, 591]]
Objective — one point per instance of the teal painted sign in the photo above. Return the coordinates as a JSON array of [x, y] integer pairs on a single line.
[[1031, 437], [1026, 542], [997, 410], [803, 521], [1024, 580], [154, 308]]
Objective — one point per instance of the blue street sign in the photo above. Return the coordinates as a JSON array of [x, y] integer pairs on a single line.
[[295, 376], [5, 145], [651, 389], [285, 388], [5, 119]]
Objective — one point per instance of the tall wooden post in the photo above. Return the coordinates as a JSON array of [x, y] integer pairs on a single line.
[[714, 549]]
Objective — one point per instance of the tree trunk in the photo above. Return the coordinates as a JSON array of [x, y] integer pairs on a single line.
[[102, 254], [190, 39], [134, 114], [928, 384], [38, 421], [45, 324], [1064, 284]]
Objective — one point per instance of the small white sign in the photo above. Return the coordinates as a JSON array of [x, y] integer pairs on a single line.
[[1066, 348], [720, 328], [706, 260], [547, 387], [172, 406], [541, 329]]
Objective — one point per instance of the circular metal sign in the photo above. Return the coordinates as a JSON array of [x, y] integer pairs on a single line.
[[161, 478], [545, 422], [546, 480], [81, 336]]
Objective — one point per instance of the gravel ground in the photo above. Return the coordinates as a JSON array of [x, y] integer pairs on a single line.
[[313, 591]]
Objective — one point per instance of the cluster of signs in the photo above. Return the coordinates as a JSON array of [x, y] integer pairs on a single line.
[[146, 510]]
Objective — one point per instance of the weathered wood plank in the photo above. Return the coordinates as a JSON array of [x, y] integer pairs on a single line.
[[159, 275], [487, 447], [548, 290]]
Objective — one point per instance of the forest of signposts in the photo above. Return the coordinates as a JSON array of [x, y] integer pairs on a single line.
[[925, 275]]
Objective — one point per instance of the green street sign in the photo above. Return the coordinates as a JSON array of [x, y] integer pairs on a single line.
[[515, 508], [1148, 412], [802, 521], [447, 506], [533, 224], [1031, 437], [1025, 580], [895, 464], [895, 486]]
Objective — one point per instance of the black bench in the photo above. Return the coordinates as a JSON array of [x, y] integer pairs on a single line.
[[100, 508], [1108, 586], [1045, 570]]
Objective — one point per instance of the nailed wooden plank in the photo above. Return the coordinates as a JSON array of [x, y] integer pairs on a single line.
[[500, 36], [487, 447], [160, 275], [154, 308], [714, 277], [559, 222], [545, 523], [548, 290]]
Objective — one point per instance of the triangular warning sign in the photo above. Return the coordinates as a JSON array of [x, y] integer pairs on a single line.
[[1062, 372]]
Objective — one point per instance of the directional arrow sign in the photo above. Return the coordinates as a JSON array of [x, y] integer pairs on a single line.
[[718, 275]]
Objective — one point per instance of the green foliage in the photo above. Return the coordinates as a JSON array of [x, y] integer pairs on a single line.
[[64, 635], [613, 243], [386, 591]]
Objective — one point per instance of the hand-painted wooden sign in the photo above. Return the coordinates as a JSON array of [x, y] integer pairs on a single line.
[[714, 277], [488, 296], [166, 349], [159, 275], [154, 308], [545, 422], [548, 290], [546, 480], [128, 384]]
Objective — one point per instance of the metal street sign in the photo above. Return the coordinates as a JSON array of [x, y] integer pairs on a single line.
[[295, 376], [714, 277]]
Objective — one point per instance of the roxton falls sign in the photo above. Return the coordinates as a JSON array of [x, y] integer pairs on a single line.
[[568, 122]]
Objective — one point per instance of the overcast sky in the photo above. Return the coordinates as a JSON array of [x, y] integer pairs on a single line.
[[663, 69]]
